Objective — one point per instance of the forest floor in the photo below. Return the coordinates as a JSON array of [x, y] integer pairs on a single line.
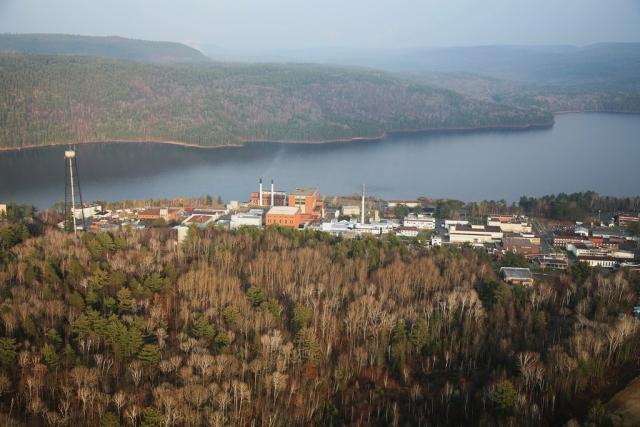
[[624, 407]]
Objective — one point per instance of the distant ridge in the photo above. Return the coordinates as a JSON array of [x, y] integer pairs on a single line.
[[610, 65], [112, 47]]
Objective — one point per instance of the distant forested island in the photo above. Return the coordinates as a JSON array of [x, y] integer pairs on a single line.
[[58, 89]]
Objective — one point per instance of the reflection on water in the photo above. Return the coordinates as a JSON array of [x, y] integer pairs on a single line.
[[600, 152]]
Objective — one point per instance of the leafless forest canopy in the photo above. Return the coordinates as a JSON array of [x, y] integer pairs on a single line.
[[279, 328]]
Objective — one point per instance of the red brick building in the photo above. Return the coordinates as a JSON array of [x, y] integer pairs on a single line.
[[566, 238], [284, 216], [308, 201], [279, 199], [269, 197]]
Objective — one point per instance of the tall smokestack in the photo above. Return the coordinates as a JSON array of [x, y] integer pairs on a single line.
[[260, 195], [272, 193], [362, 208]]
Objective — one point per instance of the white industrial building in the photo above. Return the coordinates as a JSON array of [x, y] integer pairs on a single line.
[[581, 230], [89, 211], [623, 255], [351, 210], [183, 233], [420, 221], [604, 262], [245, 220], [407, 231], [510, 224], [599, 252], [200, 220], [474, 234], [335, 227], [375, 228], [586, 250], [407, 203]]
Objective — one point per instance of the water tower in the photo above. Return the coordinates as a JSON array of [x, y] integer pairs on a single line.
[[72, 192]]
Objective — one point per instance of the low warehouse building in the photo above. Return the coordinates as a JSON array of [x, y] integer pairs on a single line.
[[245, 220], [520, 245], [510, 224], [596, 261], [407, 231], [200, 220], [474, 234], [517, 275]]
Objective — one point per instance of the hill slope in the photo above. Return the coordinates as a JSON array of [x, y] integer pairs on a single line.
[[54, 99], [106, 47], [301, 329]]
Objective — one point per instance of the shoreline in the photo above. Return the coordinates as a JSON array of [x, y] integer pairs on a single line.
[[630, 113], [117, 141], [380, 137], [246, 142]]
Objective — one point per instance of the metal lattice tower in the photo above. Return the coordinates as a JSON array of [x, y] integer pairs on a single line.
[[72, 192]]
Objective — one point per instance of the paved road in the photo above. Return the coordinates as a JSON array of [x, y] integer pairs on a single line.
[[546, 235]]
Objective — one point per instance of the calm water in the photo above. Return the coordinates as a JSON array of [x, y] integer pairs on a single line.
[[598, 152]]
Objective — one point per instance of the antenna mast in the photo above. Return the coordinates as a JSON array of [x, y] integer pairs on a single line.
[[362, 208], [71, 182]]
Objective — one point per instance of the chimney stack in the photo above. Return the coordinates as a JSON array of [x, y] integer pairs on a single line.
[[362, 208], [260, 195], [272, 193]]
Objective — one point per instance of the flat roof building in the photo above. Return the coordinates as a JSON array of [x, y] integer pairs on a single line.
[[520, 245], [555, 261], [451, 222], [167, 214], [474, 234], [284, 216], [597, 261], [420, 221], [200, 220], [626, 219], [407, 231], [510, 223], [353, 210], [87, 211], [517, 275], [562, 238], [407, 203], [335, 227], [245, 220]]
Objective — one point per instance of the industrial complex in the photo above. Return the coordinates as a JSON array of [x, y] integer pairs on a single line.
[[607, 246]]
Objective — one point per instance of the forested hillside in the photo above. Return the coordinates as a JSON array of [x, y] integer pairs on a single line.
[[271, 328], [105, 47], [613, 96], [601, 64], [56, 99]]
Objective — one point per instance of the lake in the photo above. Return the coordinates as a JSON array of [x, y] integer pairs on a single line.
[[599, 152]]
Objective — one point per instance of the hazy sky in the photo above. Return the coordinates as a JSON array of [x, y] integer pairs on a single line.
[[333, 23]]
